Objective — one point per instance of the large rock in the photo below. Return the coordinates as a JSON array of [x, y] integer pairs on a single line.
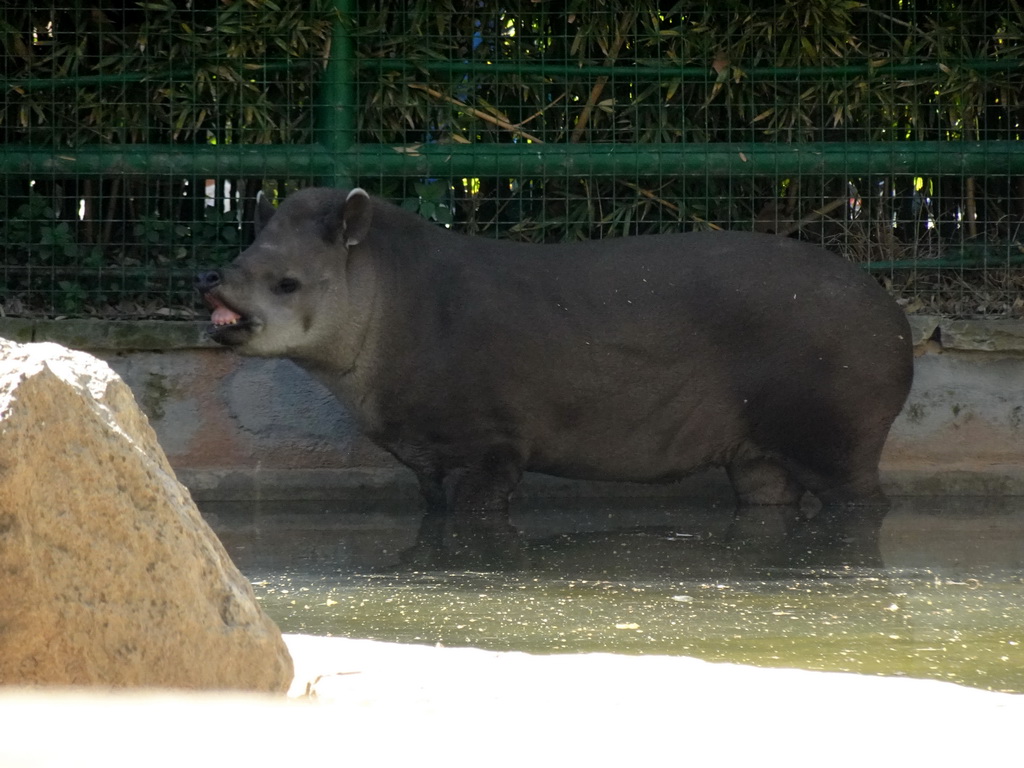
[[108, 575]]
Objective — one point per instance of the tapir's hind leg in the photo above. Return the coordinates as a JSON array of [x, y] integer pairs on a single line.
[[831, 449], [862, 490], [763, 482], [843, 477]]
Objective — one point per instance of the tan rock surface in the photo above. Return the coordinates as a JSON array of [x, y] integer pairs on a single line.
[[108, 574]]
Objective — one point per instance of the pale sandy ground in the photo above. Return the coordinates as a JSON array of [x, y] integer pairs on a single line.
[[381, 704]]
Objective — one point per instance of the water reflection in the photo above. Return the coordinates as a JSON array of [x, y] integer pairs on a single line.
[[931, 589], [627, 537]]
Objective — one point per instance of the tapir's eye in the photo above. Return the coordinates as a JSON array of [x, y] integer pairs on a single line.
[[287, 285]]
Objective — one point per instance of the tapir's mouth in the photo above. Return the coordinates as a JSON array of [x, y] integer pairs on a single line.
[[228, 325]]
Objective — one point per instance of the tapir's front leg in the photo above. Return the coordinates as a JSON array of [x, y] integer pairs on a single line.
[[465, 513], [480, 533], [429, 548]]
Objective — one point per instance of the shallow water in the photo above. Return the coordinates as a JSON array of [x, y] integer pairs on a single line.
[[933, 589]]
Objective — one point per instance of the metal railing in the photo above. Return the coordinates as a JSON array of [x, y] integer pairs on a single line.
[[336, 156]]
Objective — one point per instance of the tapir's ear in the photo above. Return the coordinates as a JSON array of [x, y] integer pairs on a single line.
[[264, 210], [356, 217]]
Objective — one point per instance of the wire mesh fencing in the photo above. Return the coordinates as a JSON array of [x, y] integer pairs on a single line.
[[122, 132], [136, 138]]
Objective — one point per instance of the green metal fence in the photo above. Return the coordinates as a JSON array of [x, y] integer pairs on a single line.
[[136, 134]]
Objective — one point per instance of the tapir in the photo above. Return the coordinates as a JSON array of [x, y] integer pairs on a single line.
[[639, 359]]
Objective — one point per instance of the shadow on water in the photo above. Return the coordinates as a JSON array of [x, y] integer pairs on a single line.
[[933, 588]]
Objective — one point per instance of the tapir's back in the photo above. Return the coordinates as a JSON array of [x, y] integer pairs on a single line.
[[738, 290]]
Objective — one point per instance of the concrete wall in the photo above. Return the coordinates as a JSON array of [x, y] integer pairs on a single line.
[[239, 428]]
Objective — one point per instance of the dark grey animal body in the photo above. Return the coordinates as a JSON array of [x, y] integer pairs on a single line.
[[638, 359]]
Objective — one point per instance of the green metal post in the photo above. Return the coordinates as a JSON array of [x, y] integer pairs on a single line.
[[335, 130]]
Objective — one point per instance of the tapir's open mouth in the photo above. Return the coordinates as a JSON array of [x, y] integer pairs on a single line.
[[226, 321]]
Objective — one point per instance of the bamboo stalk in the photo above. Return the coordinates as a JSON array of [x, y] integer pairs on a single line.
[[88, 229], [813, 216], [649, 194], [477, 113], [971, 204], [598, 89], [111, 203]]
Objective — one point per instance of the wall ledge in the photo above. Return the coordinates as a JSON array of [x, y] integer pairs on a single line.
[[114, 335], [978, 335]]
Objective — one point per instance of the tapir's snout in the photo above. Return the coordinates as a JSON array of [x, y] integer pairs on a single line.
[[223, 317], [207, 281]]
